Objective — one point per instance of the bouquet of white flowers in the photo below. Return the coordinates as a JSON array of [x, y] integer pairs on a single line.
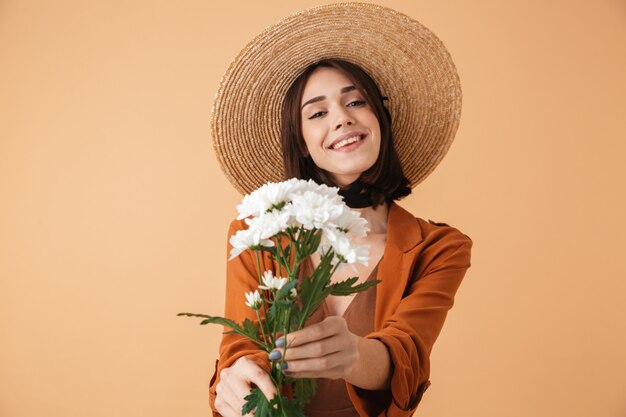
[[314, 219]]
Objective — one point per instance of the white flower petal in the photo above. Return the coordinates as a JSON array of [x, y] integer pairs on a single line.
[[271, 282], [246, 238], [352, 222], [343, 247], [253, 300], [268, 195], [314, 211]]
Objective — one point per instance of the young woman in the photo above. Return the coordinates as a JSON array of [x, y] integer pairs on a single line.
[[369, 351]]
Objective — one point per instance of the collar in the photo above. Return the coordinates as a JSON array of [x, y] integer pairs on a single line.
[[403, 229]]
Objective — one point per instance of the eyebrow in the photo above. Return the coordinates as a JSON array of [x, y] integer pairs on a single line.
[[320, 98]]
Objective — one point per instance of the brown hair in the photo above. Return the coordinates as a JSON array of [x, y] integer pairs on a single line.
[[382, 182]]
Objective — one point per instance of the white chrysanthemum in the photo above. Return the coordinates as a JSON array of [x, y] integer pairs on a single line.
[[343, 248], [351, 222], [244, 239], [270, 224], [332, 193], [313, 210], [268, 195], [254, 300], [271, 282]]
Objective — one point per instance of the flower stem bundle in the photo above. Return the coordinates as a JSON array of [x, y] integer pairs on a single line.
[[292, 220]]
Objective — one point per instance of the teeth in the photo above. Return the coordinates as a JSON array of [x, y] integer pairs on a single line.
[[347, 141]]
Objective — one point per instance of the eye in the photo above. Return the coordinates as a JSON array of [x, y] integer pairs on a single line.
[[316, 115], [357, 103]]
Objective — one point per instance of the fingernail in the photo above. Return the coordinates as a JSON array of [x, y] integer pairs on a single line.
[[280, 342], [284, 365], [274, 355]]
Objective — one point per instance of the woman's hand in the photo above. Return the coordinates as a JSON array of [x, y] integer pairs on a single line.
[[327, 349], [235, 384]]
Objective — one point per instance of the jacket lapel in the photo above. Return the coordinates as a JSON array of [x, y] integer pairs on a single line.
[[403, 234]]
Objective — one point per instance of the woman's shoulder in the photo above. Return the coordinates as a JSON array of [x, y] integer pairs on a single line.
[[425, 230], [438, 224], [443, 246], [436, 229]]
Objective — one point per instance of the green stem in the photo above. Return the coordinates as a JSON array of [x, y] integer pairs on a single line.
[[276, 321], [285, 332], [262, 330], [283, 410], [281, 405], [282, 262], [258, 266]]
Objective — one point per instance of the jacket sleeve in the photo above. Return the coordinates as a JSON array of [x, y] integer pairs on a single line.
[[241, 277], [410, 332]]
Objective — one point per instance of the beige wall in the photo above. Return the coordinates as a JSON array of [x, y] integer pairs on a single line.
[[114, 212]]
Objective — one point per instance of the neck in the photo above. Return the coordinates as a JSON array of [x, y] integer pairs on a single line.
[[376, 217]]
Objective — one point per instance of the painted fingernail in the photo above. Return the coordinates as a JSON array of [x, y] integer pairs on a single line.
[[284, 366], [274, 355], [280, 342]]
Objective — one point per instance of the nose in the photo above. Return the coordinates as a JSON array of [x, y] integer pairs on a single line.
[[343, 118]]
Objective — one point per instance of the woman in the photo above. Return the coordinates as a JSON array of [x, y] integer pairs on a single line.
[[370, 351]]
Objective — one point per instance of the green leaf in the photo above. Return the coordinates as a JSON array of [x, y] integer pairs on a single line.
[[304, 390], [194, 315], [292, 408], [250, 330], [283, 304], [287, 251], [312, 289], [272, 313], [270, 318], [264, 408], [346, 288], [271, 250], [295, 315], [315, 241]]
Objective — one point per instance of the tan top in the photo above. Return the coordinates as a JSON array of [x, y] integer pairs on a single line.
[[423, 266], [331, 398]]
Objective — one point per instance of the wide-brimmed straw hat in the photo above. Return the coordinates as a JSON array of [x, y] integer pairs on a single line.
[[409, 63]]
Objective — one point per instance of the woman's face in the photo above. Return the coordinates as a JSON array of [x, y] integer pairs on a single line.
[[340, 129]]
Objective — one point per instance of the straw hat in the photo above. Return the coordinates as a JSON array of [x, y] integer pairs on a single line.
[[408, 62]]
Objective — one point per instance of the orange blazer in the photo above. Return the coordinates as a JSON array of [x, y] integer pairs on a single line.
[[421, 270]]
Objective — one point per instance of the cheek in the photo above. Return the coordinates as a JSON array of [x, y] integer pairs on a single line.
[[372, 120], [312, 135], [308, 146], [375, 127]]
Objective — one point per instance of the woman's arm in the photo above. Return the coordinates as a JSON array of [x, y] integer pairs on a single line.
[[373, 368], [410, 332], [241, 277]]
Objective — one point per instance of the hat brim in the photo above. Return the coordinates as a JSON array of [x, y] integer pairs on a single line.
[[409, 63]]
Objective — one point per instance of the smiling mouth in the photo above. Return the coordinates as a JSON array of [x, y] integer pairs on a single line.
[[347, 141]]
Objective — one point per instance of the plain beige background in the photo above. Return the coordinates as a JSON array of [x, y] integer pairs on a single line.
[[114, 211]]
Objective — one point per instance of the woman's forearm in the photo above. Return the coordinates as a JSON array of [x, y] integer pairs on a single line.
[[373, 368]]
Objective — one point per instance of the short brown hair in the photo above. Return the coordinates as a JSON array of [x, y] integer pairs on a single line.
[[384, 181]]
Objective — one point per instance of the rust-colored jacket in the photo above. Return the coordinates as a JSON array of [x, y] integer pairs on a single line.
[[421, 270]]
